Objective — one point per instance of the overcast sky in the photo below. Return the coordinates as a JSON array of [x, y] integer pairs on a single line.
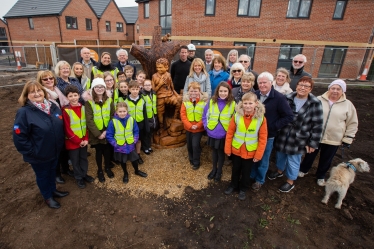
[[6, 5]]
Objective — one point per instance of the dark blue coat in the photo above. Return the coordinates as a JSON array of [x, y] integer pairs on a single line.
[[39, 137], [118, 65], [278, 112]]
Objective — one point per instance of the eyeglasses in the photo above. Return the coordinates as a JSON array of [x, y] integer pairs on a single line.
[[99, 87], [39, 92], [300, 62], [304, 86], [107, 81], [236, 71], [243, 61], [49, 78]]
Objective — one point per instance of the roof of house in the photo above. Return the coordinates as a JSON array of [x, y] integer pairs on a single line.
[[98, 6], [37, 8], [130, 14]]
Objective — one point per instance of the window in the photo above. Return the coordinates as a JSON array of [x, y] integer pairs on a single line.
[[332, 61], [286, 54], [88, 24], [107, 26], [119, 26], [31, 23], [165, 16], [71, 22], [2, 32], [147, 42], [339, 9], [146, 10], [299, 8], [249, 8], [210, 7], [204, 43], [250, 50]]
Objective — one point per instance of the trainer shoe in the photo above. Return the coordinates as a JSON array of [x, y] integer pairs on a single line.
[[256, 186], [302, 174], [321, 182], [285, 188], [241, 195], [274, 175]]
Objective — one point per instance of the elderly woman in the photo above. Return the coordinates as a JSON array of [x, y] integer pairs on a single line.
[[63, 71], [282, 81], [232, 57], [236, 73], [217, 72], [198, 74], [301, 135], [104, 65], [39, 136], [247, 82], [339, 128], [48, 81], [78, 72]]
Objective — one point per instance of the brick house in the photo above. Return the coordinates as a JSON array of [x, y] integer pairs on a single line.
[[3, 35], [335, 35], [63, 21], [130, 14]]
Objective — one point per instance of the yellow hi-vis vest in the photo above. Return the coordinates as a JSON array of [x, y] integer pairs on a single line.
[[223, 117], [136, 111], [101, 114], [248, 136], [151, 105], [77, 125], [194, 113], [115, 96], [113, 72], [122, 134]]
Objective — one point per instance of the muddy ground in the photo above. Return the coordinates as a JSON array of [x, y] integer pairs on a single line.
[[202, 216]]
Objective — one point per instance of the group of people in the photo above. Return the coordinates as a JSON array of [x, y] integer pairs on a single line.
[[115, 109]]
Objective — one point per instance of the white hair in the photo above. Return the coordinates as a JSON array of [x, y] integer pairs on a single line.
[[301, 55], [121, 50], [208, 51], [267, 75]]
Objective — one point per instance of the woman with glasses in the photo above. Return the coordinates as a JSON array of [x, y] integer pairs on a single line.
[[236, 73], [302, 135], [198, 74], [39, 136], [104, 65]]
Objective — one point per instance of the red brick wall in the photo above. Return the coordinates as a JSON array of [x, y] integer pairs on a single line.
[[113, 15]]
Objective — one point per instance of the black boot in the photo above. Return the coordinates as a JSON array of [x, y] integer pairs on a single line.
[[100, 176], [126, 174], [52, 203], [109, 172], [137, 171]]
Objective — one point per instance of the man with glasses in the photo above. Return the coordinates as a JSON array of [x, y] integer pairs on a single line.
[[297, 70], [122, 56], [245, 60]]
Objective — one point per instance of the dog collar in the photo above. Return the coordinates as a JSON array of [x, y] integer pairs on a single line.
[[350, 165]]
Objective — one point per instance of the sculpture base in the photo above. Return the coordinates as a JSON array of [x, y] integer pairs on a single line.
[[172, 136]]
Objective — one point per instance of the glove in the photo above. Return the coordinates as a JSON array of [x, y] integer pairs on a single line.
[[345, 145]]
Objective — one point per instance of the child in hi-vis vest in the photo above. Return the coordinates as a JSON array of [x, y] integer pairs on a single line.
[[245, 141], [123, 134]]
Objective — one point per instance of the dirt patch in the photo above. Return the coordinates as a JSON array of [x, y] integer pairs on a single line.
[[176, 207]]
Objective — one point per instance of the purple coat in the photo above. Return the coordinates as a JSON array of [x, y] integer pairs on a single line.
[[218, 132]]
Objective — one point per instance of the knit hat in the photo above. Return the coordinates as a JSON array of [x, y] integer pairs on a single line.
[[339, 82], [98, 82]]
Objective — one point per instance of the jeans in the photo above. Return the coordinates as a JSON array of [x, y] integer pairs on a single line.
[[45, 177], [260, 168], [289, 164]]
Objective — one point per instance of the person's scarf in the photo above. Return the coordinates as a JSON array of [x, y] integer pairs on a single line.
[[201, 78], [45, 106], [216, 73], [57, 94]]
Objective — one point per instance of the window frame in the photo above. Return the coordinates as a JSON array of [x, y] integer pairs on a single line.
[[343, 11], [298, 10], [249, 4], [214, 8], [3, 32], [331, 62], [146, 10], [89, 20], [165, 30], [121, 26], [31, 23], [72, 18], [108, 28], [202, 42], [147, 42]]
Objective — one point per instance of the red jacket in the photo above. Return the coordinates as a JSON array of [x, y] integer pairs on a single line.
[[72, 142]]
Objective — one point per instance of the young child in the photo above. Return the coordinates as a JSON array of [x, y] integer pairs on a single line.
[[129, 71], [216, 119], [110, 83], [246, 85], [99, 110], [150, 98], [123, 134], [245, 141], [121, 76], [191, 116], [140, 78], [137, 109], [123, 91], [76, 135]]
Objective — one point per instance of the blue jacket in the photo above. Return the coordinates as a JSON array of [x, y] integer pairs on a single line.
[[39, 137], [278, 112], [120, 68], [214, 81]]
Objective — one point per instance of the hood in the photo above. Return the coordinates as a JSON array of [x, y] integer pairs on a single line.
[[258, 113]]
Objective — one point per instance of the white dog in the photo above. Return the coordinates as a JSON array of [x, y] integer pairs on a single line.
[[341, 177]]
